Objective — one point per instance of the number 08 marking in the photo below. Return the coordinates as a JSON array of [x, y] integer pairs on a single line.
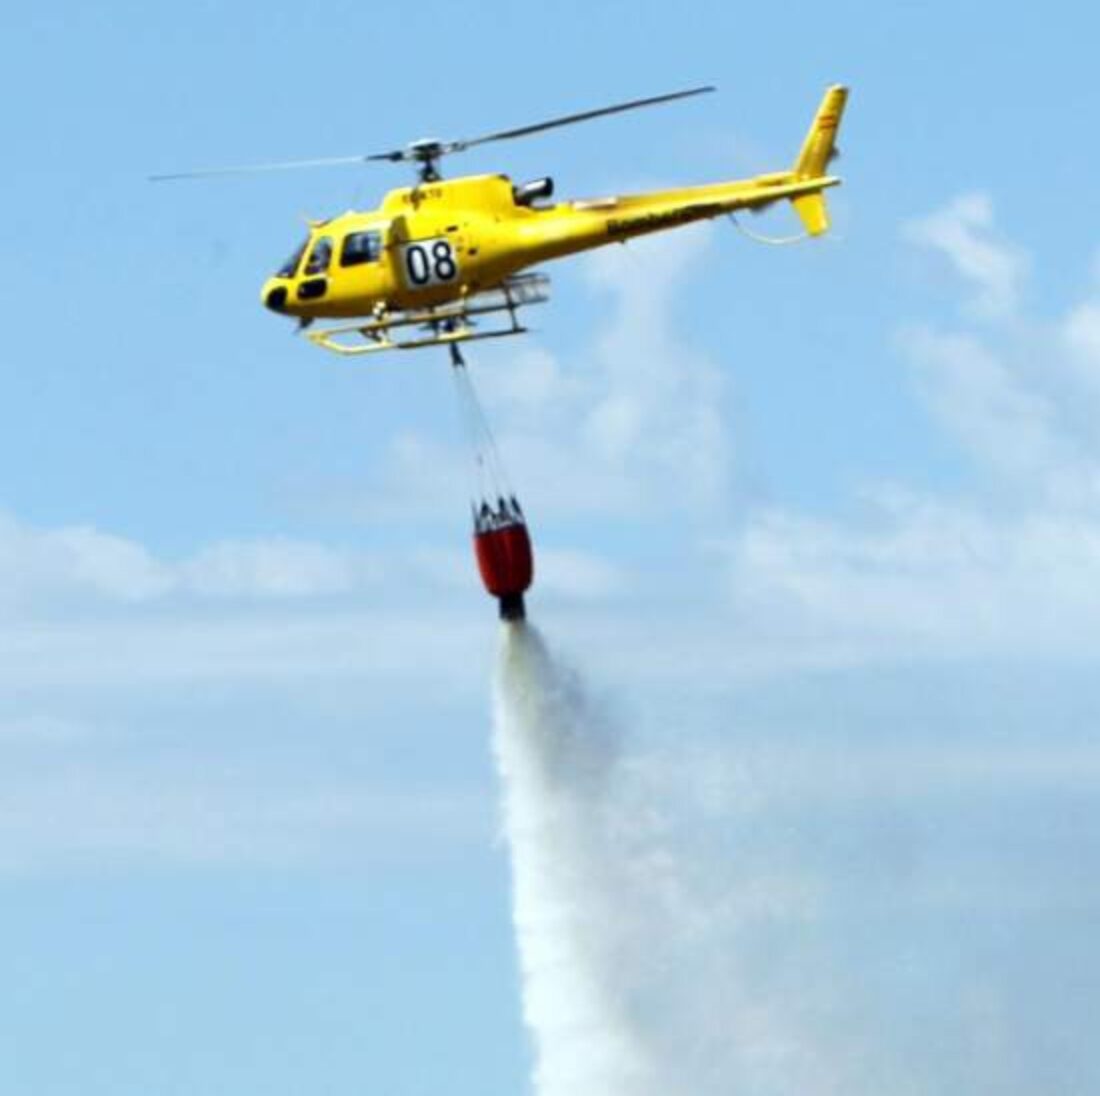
[[430, 262]]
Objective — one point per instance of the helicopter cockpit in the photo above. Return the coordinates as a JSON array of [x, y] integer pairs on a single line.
[[320, 254]]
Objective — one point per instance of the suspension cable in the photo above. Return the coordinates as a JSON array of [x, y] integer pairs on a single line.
[[492, 479]]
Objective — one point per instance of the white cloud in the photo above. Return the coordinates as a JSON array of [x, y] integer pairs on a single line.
[[661, 410], [73, 560], [1080, 335], [1000, 417], [923, 577], [963, 232], [274, 568], [40, 568], [1011, 564]]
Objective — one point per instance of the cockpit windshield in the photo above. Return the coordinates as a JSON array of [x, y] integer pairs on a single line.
[[290, 267], [319, 257]]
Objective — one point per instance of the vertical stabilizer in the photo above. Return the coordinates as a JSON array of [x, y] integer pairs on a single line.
[[817, 149]]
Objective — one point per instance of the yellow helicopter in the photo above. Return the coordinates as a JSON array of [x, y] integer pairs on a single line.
[[440, 258]]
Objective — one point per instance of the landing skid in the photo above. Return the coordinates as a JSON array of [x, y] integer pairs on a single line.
[[447, 324]]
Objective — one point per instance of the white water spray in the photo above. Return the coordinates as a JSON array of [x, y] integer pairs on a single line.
[[655, 960], [556, 758]]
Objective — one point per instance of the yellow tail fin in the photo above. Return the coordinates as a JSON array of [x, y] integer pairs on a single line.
[[817, 149], [813, 159], [812, 212]]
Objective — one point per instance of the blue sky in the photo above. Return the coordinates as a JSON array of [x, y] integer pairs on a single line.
[[821, 523]]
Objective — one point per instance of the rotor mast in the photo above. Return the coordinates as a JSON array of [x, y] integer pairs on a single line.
[[426, 154]]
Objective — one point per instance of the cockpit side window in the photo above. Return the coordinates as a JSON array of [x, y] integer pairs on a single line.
[[290, 267], [361, 247], [319, 257]]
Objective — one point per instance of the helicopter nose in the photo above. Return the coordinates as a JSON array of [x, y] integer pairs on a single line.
[[275, 298]]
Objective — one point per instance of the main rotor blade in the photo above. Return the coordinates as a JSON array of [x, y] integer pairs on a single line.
[[251, 169], [584, 116], [415, 153]]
